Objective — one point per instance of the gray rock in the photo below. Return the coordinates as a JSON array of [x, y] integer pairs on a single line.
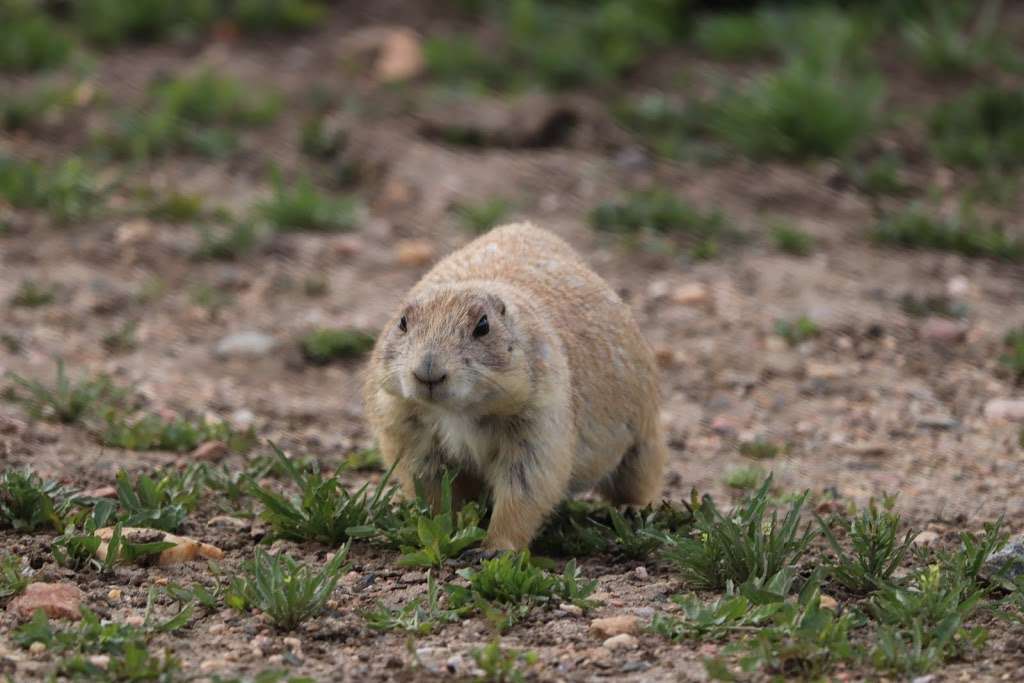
[[245, 344], [1008, 562]]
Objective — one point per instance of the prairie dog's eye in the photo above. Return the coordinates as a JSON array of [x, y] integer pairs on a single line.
[[482, 327], [403, 324]]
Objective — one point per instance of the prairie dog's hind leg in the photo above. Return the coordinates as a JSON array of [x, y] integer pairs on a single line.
[[639, 477]]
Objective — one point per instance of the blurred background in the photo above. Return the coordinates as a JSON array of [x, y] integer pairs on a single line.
[[814, 209]]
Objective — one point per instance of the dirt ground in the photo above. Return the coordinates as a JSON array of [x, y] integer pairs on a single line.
[[876, 403]]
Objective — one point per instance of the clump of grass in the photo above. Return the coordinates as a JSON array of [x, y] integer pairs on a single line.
[[192, 114], [321, 140], [914, 228], [660, 212], [477, 218], [177, 207], [555, 45], [801, 639], [324, 511], [12, 581], [513, 585], [278, 15], [800, 111], [35, 107], [121, 339], [67, 192], [322, 346], [743, 545], [760, 449], [751, 605], [179, 434], [29, 39], [581, 529], [983, 128], [161, 503], [1013, 359], [879, 176], [797, 331], [31, 294], [303, 207], [944, 43], [744, 478], [791, 240], [65, 400], [228, 244], [421, 616], [931, 304], [28, 502], [500, 665], [286, 591], [428, 538], [739, 35], [670, 127], [877, 550], [126, 645], [109, 23]]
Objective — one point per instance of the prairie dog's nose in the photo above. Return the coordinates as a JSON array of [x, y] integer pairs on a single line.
[[430, 372]]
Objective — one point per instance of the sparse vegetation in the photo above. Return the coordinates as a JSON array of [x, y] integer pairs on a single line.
[[982, 128], [66, 400], [322, 346], [745, 478], [745, 545], [478, 218], [877, 549], [193, 114], [12, 581], [1013, 359], [303, 207], [179, 434], [32, 294], [506, 588], [421, 616], [427, 539], [760, 449], [285, 590], [792, 240], [797, 331], [500, 665], [29, 38], [660, 212], [28, 502], [915, 228], [67, 191], [324, 511]]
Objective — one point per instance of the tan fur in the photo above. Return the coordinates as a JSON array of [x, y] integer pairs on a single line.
[[559, 397]]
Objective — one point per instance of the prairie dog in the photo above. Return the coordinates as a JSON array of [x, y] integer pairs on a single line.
[[514, 362]]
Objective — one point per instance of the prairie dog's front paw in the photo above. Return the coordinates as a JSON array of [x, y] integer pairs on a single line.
[[476, 555]]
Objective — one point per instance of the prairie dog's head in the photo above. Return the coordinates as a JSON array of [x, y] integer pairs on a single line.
[[457, 347]]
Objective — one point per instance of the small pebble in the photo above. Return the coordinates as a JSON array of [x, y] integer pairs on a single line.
[[623, 641], [37, 647], [613, 626], [114, 594], [925, 538]]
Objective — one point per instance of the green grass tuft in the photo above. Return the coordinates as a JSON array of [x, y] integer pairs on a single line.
[[1013, 359], [286, 591], [29, 39], [915, 228], [478, 218], [179, 434], [303, 207], [65, 400], [797, 331], [31, 294], [982, 128], [324, 511], [743, 545], [747, 477], [67, 192], [500, 665], [322, 346], [29, 503], [877, 550], [791, 240], [421, 616]]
